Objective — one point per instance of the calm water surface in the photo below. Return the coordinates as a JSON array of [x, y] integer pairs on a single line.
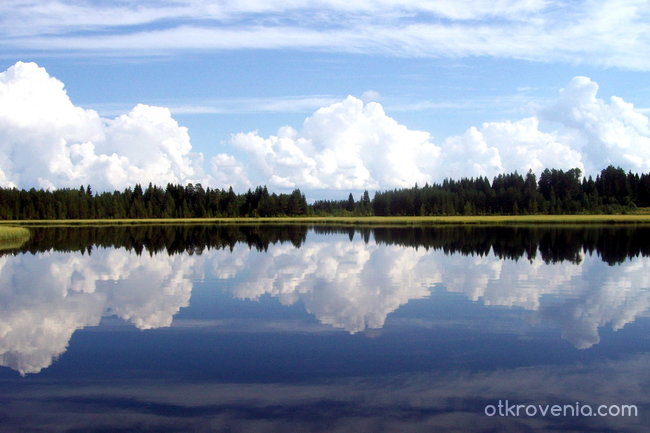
[[315, 329]]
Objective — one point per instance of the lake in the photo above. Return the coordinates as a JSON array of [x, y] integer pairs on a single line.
[[295, 328]]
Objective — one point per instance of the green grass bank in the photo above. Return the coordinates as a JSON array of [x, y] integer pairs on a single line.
[[7, 232], [12, 237]]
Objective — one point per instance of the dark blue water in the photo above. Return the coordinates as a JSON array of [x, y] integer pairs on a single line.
[[324, 330]]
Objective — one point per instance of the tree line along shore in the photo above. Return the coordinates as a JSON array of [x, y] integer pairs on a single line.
[[556, 192]]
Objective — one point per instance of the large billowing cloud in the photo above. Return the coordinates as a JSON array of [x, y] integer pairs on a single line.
[[503, 147], [604, 132], [348, 145], [46, 141], [356, 145]]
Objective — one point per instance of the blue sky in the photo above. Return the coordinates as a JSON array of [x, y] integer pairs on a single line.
[[438, 89]]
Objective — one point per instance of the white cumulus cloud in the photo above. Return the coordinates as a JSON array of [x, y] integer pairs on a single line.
[[354, 145], [347, 145], [604, 132], [503, 147], [46, 141]]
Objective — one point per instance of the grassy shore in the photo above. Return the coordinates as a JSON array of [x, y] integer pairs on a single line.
[[10, 233], [638, 218], [12, 237]]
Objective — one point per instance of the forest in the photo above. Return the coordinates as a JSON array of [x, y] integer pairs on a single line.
[[556, 192]]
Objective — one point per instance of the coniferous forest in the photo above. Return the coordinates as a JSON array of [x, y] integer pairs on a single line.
[[556, 192]]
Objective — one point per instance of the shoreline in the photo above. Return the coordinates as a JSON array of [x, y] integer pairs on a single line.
[[354, 221], [12, 236]]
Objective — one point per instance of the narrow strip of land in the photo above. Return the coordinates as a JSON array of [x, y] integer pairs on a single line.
[[12, 237], [10, 233], [370, 221]]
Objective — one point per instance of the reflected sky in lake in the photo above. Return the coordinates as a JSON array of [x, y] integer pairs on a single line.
[[323, 321], [351, 285]]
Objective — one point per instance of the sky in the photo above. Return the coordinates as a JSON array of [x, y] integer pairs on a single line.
[[327, 96]]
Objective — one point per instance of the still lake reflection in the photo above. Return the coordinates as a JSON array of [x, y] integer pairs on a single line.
[[248, 328]]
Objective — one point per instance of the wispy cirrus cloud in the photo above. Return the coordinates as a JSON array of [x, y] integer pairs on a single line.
[[241, 105], [63, 16], [610, 34]]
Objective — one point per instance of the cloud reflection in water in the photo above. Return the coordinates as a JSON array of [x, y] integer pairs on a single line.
[[46, 297], [354, 286], [348, 285]]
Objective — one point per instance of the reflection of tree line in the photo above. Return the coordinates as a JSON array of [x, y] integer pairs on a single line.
[[173, 239], [553, 244]]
